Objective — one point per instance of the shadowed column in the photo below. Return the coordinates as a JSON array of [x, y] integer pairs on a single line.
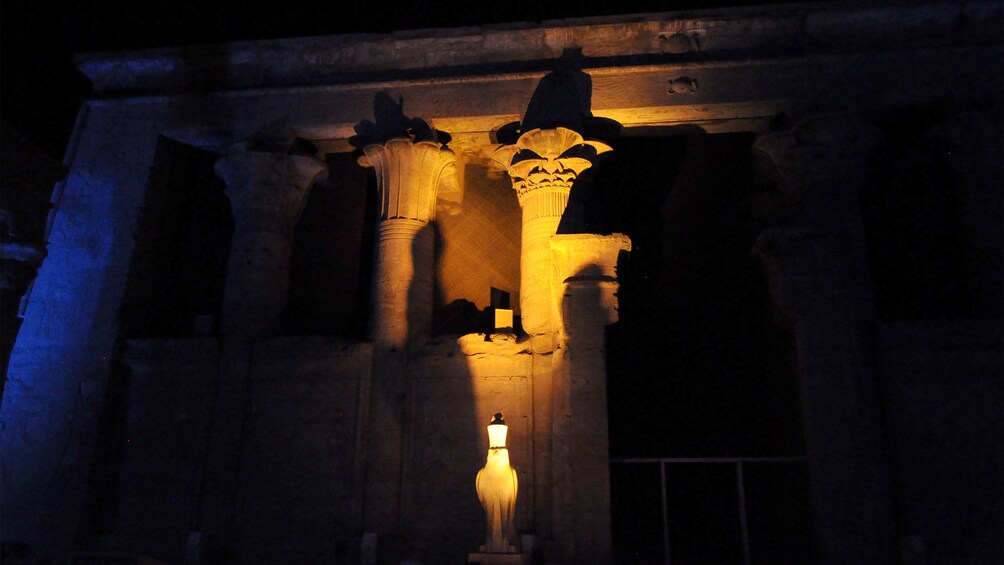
[[267, 193], [818, 274], [584, 303]]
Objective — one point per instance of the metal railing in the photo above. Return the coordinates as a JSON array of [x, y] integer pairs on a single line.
[[740, 490]]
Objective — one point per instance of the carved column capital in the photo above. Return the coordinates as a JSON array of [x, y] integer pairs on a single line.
[[409, 173], [543, 164], [817, 148], [267, 191], [585, 285], [409, 176], [822, 163], [547, 159]]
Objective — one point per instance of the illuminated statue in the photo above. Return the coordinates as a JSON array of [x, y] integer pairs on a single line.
[[497, 485]]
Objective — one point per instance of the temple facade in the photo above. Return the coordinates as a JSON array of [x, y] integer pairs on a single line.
[[289, 283]]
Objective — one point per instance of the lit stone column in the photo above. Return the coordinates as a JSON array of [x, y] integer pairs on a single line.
[[409, 175], [543, 164], [585, 302], [585, 280], [267, 193], [818, 274]]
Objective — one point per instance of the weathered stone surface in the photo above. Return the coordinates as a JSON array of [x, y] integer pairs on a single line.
[[973, 142], [409, 176], [941, 382], [319, 442], [479, 244], [267, 192], [585, 281], [320, 60], [453, 387], [301, 464], [60, 364], [584, 299], [543, 164], [808, 271], [165, 433]]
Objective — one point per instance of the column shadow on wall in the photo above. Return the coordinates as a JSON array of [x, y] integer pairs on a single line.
[[444, 441]]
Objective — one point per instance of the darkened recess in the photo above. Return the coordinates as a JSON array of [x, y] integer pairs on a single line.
[[699, 363], [912, 222], [331, 257], [179, 267], [636, 513], [702, 514], [778, 525]]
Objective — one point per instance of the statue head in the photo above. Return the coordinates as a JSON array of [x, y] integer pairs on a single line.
[[497, 431]]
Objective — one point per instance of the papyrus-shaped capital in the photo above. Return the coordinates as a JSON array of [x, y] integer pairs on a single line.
[[409, 176]]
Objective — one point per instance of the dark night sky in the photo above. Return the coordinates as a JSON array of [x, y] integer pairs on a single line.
[[41, 90]]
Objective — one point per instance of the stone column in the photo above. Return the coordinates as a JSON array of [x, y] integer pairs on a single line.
[[585, 302], [267, 193], [817, 270], [543, 164], [409, 175]]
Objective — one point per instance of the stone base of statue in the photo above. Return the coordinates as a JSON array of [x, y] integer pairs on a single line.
[[485, 558]]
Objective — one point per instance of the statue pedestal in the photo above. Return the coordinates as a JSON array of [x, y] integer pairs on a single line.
[[499, 558]]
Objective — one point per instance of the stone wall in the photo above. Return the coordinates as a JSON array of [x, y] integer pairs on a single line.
[[455, 386], [300, 455], [942, 389], [289, 409], [163, 444], [479, 243], [60, 365]]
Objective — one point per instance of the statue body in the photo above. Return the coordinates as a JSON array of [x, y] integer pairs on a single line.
[[497, 486]]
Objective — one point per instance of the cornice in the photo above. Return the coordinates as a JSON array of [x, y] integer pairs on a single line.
[[738, 34]]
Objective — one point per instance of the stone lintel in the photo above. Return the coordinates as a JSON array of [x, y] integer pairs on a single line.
[[734, 96], [474, 134], [716, 33]]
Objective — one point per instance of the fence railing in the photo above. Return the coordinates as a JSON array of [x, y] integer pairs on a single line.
[[740, 490]]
